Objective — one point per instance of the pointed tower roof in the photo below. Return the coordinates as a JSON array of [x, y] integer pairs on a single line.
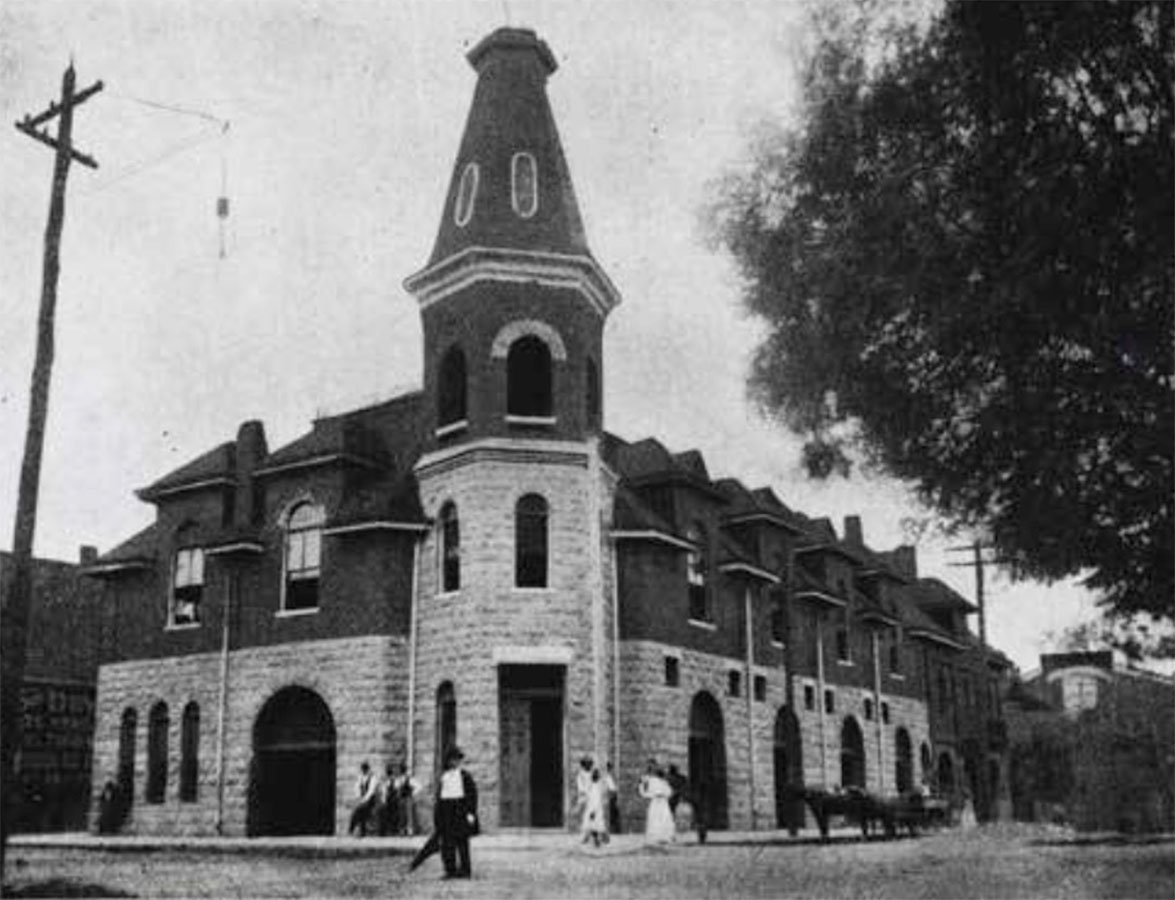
[[510, 116]]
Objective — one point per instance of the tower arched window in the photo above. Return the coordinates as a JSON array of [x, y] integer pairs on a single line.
[[528, 378], [451, 391], [157, 727], [450, 546], [524, 185], [530, 542], [466, 194], [303, 557], [189, 752], [697, 568], [592, 390]]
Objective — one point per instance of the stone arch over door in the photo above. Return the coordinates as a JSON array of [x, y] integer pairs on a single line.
[[293, 773], [789, 770], [707, 759], [852, 754]]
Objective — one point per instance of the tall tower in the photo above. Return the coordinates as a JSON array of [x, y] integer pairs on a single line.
[[513, 655]]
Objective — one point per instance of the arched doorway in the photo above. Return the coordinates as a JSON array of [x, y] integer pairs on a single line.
[[292, 782], [852, 754], [903, 761], [946, 775], [707, 759], [789, 771]]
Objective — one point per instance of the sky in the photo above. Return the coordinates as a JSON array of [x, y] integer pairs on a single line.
[[343, 120]]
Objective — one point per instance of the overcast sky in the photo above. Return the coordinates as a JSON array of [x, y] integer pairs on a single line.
[[344, 120]]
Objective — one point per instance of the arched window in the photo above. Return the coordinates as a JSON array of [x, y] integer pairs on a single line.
[[126, 754], [852, 754], [697, 568], [450, 546], [946, 775], [157, 727], [779, 619], [190, 752], [903, 761], [927, 764], [592, 389], [303, 557], [528, 378], [530, 542], [446, 731], [187, 586], [452, 388], [466, 194], [524, 185]]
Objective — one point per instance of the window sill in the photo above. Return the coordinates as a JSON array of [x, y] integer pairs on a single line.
[[294, 613], [779, 644], [845, 662], [452, 428], [897, 676], [184, 626], [521, 589], [700, 623], [532, 421], [444, 595]]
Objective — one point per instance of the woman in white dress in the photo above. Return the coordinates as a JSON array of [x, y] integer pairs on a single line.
[[595, 822], [659, 827]]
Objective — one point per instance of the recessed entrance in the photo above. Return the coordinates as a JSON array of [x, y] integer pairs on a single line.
[[707, 759], [531, 741], [292, 778]]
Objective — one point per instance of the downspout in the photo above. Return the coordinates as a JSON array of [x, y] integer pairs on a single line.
[[222, 703], [413, 631], [615, 658], [877, 717], [750, 682], [820, 699], [596, 586]]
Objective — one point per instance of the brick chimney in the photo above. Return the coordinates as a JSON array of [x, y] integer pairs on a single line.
[[853, 532], [905, 560], [251, 450], [88, 555]]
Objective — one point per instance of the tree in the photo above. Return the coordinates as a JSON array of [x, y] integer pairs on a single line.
[[963, 255]]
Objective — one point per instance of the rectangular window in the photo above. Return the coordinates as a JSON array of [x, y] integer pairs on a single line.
[[303, 555], [779, 619], [842, 637], [672, 672], [829, 702], [885, 712], [809, 697], [187, 586], [868, 710], [761, 688], [895, 653], [734, 683]]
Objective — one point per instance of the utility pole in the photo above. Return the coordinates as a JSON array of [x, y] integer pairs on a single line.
[[977, 563], [14, 610]]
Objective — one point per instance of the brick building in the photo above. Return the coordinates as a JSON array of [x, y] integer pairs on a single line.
[[57, 695], [480, 562]]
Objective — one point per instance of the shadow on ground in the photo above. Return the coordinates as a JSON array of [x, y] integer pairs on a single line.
[[61, 887], [1107, 840]]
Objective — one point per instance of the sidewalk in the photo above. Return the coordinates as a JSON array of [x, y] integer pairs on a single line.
[[329, 845]]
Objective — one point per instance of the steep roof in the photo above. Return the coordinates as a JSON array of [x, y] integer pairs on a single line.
[[214, 465], [510, 115]]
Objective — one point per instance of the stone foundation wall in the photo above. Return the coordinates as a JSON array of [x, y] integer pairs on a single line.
[[361, 680], [654, 724]]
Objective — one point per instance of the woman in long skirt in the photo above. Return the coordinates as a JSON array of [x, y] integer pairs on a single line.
[[659, 827]]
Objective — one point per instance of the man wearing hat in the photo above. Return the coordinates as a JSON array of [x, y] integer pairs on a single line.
[[456, 815]]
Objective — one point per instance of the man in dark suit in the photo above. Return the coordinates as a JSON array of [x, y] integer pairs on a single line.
[[455, 816]]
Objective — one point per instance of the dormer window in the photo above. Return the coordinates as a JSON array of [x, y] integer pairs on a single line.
[[303, 557], [187, 587], [524, 193], [466, 194]]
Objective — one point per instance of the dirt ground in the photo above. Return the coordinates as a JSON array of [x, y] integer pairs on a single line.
[[992, 862]]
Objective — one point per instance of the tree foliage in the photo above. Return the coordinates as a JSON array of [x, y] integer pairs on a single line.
[[963, 254]]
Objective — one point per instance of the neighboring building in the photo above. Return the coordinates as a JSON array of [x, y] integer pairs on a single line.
[[57, 695], [480, 562], [1093, 744]]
